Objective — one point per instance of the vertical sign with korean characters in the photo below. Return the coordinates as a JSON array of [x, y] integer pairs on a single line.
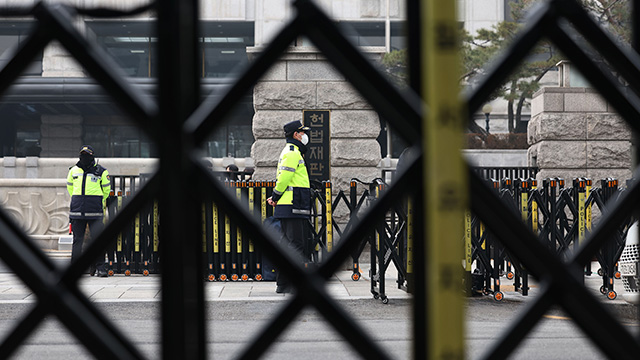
[[318, 156]]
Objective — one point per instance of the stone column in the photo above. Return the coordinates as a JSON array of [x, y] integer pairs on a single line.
[[304, 80], [57, 62], [574, 132], [61, 135]]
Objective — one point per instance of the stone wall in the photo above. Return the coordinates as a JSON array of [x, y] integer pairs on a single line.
[[304, 80], [574, 132], [33, 191]]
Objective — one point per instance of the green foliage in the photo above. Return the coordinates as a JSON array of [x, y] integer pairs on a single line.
[[486, 44], [395, 65], [613, 15]]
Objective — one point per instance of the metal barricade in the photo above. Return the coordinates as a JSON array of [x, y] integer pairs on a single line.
[[560, 216]]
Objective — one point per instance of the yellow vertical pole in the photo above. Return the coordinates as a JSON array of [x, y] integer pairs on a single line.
[[581, 211], [534, 209], [524, 201], [251, 207], [444, 180], [263, 201], [119, 239], [137, 234], [216, 238], [227, 234], [378, 232], [238, 258], [587, 210], [467, 241], [156, 236], [329, 216]]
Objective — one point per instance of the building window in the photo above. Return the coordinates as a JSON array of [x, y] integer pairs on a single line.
[[12, 35], [235, 136], [113, 137], [224, 47], [132, 44]]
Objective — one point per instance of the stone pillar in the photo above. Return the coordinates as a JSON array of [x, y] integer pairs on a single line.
[[304, 80], [61, 135], [57, 62], [573, 132]]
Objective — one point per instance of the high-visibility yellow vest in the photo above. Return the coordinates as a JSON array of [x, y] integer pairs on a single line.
[[292, 191], [88, 190]]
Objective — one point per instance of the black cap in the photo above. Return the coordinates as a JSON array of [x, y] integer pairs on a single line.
[[290, 128], [87, 149]]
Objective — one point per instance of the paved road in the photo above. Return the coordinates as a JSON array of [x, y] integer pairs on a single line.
[[236, 312], [232, 324]]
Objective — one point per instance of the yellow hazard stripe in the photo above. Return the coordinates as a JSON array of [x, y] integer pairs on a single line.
[[445, 180]]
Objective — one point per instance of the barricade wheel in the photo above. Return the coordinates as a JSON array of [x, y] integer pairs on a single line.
[[212, 277], [600, 272], [355, 276], [110, 273], [385, 300], [223, 277], [603, 290], [145, 272], [258, 277], [498, 296], [611, 295], [245, 277], [234, 277], [510, 275], [127, 273], [485, 291], [376, 296], [617, 275]]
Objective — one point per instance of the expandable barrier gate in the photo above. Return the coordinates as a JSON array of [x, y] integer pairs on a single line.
[[389, 242], [562, 218], [231, 256], [228, 254], [136, 248]]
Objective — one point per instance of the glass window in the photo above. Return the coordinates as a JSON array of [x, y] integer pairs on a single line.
[[28, 143], [130, 43], [364, 33], [224, 47], [117, 140], [12, 35], [235, 136]]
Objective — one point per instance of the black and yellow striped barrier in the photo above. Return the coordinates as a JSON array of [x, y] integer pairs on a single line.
[[228, 254], [560, 216]]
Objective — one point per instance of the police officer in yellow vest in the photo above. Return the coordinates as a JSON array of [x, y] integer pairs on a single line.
[[291, 195], [89, 185]]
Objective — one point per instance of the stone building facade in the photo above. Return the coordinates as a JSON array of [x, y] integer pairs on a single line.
[[574, 132], [58, 91], [304, 80]]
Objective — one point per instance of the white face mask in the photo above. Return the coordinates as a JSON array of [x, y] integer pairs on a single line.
[[305, 139]]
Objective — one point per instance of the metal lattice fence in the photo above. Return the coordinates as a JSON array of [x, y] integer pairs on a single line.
[[178, 123]]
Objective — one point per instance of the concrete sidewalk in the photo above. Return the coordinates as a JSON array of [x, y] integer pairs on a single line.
[[121, 288]]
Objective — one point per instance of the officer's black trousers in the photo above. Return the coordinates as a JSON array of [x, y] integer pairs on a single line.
[[294, 233], [79, 226]]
